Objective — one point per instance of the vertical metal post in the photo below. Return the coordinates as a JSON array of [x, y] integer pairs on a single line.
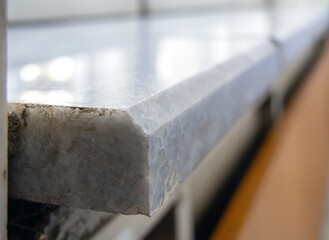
[[3, 122], [143, 7]]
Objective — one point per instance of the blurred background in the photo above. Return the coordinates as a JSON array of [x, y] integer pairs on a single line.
[[38, 10]]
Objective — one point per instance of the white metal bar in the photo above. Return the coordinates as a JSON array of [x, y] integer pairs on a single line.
[[3, 123]]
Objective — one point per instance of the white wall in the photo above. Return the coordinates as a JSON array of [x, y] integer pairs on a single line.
[[22, 10], [174, 4]]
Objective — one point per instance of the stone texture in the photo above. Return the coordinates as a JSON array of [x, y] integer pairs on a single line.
[[87, 158], [117, 115], [129, 160]]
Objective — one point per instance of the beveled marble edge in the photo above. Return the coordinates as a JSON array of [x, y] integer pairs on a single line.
[[201, 112], [79, 156], [155, 111], [159, 141]]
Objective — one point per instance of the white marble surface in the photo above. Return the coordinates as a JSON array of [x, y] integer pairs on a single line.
[[116, 65], [115, 115]]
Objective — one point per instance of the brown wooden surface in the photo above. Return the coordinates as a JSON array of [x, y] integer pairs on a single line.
[[282, 194]]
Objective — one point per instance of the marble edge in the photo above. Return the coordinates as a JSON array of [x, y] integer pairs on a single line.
[[151, 116], [193, 89], [303, 37], [167, 116], [47, 130]]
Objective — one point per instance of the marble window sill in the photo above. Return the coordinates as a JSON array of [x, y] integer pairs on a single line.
[[114, 115]]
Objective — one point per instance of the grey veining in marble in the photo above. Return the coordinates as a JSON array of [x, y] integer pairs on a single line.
[[114, 115]]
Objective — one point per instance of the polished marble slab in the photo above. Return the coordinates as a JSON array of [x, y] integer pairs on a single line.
[[114, 115]]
